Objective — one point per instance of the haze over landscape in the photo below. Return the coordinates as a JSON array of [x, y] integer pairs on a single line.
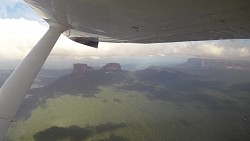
[[201, 99]]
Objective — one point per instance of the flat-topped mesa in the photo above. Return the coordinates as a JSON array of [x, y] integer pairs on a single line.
[[111, 67], [80, 69]]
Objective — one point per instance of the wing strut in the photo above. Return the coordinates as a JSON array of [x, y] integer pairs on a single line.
[[16, 86]]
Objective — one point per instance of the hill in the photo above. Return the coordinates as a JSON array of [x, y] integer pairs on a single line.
[[157, 103], [162, 83], [217, 64]]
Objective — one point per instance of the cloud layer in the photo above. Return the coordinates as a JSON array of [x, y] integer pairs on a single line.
[[18, 36]]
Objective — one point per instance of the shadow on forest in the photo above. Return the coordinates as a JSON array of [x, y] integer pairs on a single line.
[[75, 133]]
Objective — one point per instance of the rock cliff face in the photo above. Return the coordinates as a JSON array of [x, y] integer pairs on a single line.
[[111, 67], [80, 69], [217, 64]]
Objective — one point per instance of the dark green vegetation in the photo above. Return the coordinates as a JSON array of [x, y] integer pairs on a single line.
[[180, 103], [75, 133]]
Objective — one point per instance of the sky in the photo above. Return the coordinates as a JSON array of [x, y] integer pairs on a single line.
[[21, 28]]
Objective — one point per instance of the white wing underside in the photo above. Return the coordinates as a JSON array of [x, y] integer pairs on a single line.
[[149, 21]]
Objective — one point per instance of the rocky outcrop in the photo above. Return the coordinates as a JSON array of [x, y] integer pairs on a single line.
[[111, 67], [80, 69]]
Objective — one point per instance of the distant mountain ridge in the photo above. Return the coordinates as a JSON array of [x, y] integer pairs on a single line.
[[217, 63], [155, 82]]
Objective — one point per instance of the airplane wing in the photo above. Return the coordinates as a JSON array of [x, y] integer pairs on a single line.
[[122, 21], [148, 21]]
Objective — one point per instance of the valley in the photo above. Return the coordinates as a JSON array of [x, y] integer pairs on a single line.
[[178, 103]]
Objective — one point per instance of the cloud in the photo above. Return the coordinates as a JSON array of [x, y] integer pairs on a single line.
[[18, 36], [6, 4], [222, 49]]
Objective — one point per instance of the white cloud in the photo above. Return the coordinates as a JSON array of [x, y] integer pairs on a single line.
[[18, 36]]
